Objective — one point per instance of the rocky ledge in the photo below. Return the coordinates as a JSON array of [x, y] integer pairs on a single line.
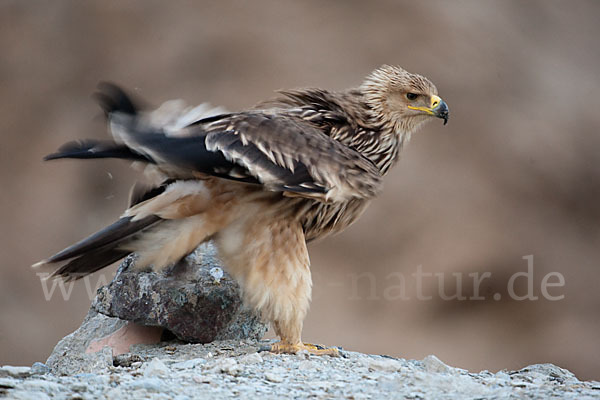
[[226, 369], [134, 343]]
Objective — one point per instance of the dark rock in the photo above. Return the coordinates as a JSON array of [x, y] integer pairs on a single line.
[[196, 301], [126, 360]]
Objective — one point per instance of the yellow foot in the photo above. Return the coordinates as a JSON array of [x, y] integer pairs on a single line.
[[288, 348]]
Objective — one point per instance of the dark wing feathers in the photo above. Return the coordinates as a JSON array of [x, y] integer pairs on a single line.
[[287, 149], [272, 147], [95, 149], [112, 98], [286, 153]]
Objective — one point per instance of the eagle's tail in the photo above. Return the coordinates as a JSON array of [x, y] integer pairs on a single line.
[[99, 250], [165, 233], [162, 225]]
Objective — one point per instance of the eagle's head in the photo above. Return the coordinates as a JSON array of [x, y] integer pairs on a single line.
[[402, 100]]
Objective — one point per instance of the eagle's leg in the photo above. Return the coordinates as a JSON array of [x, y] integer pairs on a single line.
[[272, 266], [287, 346], [286, 310]]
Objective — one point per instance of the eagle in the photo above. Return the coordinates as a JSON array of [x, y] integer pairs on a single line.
[[259, 183]]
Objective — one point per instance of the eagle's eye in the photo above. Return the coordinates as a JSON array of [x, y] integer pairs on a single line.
[[412, 96]]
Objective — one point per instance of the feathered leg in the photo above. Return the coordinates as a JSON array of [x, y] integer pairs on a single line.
[[271, 263]]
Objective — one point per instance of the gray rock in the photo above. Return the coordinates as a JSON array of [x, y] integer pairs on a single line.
[[39, 368], [233, 369], [189, 364], [384, 364], [21, 394], [43, 386], [8, 383], [15, 372], [252, 358], [69, 356], [188, 300], [149, 384], [434, 364], [273, 377], [156, 368], [227, 366]]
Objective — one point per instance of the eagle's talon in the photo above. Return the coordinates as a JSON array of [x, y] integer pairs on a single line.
[[288, 348]]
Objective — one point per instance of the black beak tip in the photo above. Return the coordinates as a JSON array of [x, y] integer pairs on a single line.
[[442, 111]]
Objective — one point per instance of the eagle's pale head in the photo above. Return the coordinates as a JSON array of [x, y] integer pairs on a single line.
[[401, 99]]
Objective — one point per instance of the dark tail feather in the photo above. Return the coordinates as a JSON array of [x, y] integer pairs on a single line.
[[90, 263], [100, 249], [116, 232], [95, 149]]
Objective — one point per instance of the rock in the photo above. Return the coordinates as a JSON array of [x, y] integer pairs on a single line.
[[8, 383], [272, 377], [196, 303], [227, 366], [252, 358], [306, 364], [127, 360], [189, 301], [177, 370], [43, 386], [384, 364], [39, 368], [434, 364], [29, 395], [69, 355], [216, 273], [189, 364], [15, 372], [156, 367], [149, 384], [121, 340]]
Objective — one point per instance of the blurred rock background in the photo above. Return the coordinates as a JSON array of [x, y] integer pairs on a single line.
[[516, 172]]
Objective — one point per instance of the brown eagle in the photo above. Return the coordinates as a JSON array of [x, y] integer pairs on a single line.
[[260, 183]]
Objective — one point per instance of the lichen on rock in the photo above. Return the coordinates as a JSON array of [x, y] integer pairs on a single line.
[[187, 300]]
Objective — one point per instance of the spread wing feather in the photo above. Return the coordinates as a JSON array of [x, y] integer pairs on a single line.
[[288, 154], [270, 147]]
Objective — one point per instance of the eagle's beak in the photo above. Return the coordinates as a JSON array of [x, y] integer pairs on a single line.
[[439, 108]]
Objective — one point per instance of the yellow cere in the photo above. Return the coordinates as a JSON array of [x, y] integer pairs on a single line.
[[435, 101]]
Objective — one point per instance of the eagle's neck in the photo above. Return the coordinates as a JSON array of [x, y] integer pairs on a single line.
[[378, 137], [352, 118]]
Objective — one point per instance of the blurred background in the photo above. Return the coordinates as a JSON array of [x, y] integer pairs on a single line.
[[515, 173]]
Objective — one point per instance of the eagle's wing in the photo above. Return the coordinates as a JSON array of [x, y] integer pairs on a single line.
[[285, 153], [279, 151]]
